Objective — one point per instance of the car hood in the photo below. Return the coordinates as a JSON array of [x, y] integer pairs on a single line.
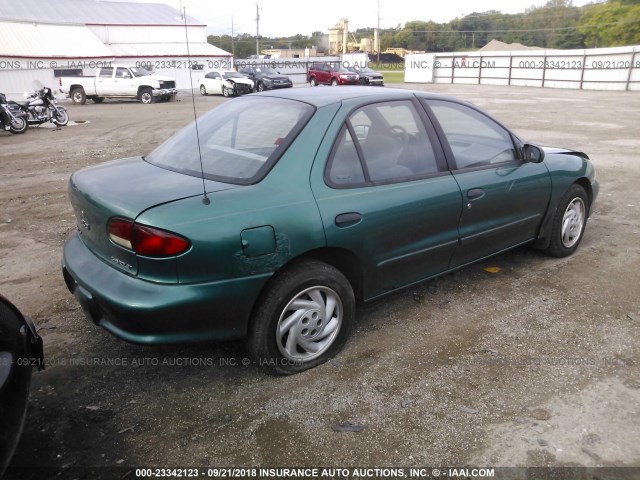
[[559, 150], [162, 78], [276, 77], [246, 81]]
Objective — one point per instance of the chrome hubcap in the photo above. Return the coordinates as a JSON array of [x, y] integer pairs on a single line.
[[573, 222], [309, 324]]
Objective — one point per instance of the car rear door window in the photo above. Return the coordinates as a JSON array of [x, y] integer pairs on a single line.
[[475, 139], [106, 72], [389, 141]]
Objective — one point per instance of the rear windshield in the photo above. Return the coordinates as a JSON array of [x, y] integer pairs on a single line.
[[239, 140]]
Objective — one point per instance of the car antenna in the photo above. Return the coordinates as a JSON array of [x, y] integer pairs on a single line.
[[205, 198]]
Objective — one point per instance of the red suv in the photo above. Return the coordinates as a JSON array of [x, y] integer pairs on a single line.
[[331, 74]]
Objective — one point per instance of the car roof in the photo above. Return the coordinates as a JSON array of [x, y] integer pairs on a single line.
[[321, 96]]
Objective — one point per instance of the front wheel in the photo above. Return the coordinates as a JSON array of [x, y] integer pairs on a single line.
[[146, 95], [569, 221], [225, 91], [303, 319], [59, 116], [334, 82], [18, 125]]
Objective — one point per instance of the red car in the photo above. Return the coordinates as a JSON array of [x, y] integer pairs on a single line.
[[331, 74]]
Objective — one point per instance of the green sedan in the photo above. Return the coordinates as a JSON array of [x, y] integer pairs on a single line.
[[283, 210]]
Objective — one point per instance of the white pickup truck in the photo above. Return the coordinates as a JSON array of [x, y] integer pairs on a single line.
[[119, 81]]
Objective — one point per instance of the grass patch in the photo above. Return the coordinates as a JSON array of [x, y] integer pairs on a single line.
[[393, 77]]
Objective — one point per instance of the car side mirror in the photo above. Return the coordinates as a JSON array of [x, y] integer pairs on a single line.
[[532, 154]]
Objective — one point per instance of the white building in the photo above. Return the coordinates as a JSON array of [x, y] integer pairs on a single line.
[[41, 40]]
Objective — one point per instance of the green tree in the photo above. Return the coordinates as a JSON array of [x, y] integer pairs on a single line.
[[611, 24]]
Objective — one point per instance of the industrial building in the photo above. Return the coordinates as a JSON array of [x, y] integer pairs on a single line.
[[41, 40]]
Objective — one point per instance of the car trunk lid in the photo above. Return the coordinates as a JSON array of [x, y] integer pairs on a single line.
[[125, 188]]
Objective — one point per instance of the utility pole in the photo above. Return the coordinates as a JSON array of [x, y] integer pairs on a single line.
[[378, 36], [257, 31], [233, 46]]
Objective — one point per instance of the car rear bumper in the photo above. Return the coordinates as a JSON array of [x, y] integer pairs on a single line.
[[146, 312]]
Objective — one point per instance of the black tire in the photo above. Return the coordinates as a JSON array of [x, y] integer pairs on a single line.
[[78, 96], [313, 283], [225, 91], [19, 125], [146, 95], [260, 87], [97, 99], [313, 82], [569, 222], [203, 90], [60, 116], [334, 82]]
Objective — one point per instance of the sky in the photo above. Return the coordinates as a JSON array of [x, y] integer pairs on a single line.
[[281, 18]]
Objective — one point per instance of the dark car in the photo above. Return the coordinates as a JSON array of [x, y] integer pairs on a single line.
[[326, 73], [315, 199], [20, 351], [368, 76], [265, 78]]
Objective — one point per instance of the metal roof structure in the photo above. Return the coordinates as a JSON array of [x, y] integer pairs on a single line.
[[92, 12], [28, 40], [166, 50]]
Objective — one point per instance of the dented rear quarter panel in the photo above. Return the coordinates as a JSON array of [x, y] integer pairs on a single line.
[[283, 200]]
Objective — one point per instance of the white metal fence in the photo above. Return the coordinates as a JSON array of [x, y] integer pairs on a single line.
[[591, 69]]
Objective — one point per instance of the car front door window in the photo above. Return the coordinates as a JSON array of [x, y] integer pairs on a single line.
[[475, 140]]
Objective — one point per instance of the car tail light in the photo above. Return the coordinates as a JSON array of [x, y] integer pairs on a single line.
[[145, 240]]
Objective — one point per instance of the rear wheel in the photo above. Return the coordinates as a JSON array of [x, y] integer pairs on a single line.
[[313, 82], [203, 90], [569, 221], [18, 125], [78, 96], [260, 87], [303, 319]]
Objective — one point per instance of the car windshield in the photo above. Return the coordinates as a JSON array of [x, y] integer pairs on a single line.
[[139, 72], [239, 141], [364, 70], [266, 71], [232, 75]]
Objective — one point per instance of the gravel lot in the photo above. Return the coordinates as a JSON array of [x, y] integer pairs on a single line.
[[536, 365]]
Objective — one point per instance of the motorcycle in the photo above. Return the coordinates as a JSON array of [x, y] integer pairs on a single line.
[[10, 119], [41, 107]]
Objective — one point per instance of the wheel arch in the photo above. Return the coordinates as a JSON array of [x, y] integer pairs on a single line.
[[141, 88], [341, 259], [544, 237]]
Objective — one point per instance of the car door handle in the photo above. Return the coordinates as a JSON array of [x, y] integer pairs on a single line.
[[475, 193], [348, 219]]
